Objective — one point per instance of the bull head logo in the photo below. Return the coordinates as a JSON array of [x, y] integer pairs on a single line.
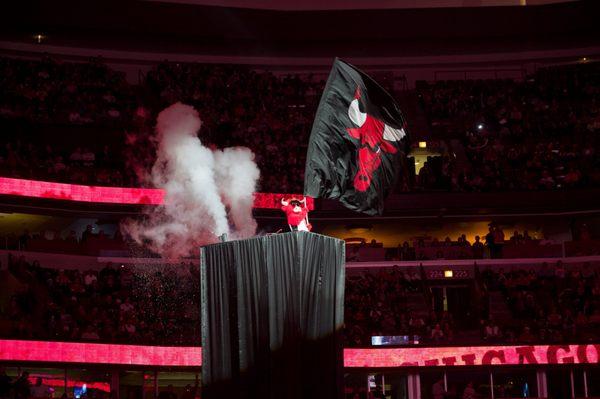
[[375, 136]]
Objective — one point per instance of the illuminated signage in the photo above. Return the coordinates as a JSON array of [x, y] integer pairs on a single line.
[[72, 352], [111, 195], [472, 356], [177, 356], [448, 273]]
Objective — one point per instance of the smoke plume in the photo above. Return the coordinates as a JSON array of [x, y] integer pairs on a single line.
[[207, 193]]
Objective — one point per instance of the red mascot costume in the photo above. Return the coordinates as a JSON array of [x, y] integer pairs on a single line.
[[297, 213]]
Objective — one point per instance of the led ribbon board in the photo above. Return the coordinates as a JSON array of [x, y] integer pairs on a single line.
[[472, 356], [182, 356], [112, 195], [89, 353]]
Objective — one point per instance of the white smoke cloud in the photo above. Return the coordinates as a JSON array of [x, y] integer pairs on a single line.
[[237, 175], [207, 193]]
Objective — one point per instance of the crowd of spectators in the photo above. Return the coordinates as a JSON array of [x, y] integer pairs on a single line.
[[536, 134], [376, 303], [270, 115], [82, 165], [462, 248], [238, 106], [548, 305], [397, 303], [92, 241], [115, 304], [553, 304], [530, 135], [494, 245], [50, 91], [152, 305]]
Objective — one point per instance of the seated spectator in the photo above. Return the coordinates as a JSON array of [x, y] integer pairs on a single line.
[[547, 240], [462, 241], [76, 156], [491, 331], [416, 324], [526, 336], [90, 334], [516, 238], [448, 331], [127, 307], [554, 319]]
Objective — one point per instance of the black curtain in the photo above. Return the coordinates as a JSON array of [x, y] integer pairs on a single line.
[[272, 314]]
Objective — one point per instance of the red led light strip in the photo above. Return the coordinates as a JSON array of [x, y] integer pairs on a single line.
[[166, 356], [111, 195], [472, 356], [71, 352]]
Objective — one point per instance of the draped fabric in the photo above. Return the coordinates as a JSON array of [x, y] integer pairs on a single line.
[[355, 143], [272, 313]]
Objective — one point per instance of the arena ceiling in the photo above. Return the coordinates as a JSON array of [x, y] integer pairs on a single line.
[[292, 5], [165, 27]]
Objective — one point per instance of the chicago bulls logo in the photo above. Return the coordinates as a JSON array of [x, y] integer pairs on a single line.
[[375, 136]]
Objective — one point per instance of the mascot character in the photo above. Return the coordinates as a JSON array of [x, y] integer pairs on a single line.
[[297, 213]]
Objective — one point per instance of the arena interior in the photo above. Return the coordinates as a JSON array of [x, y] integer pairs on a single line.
[[480, 280]]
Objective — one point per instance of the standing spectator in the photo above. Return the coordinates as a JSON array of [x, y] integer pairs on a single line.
[[438, 390], [478, 248], [498, 241], [469, 392], [22, 386], [39, 390], [71, 237], [168, 394], [5, 381], [378, 393], [24, 240], [189, 392], [489, 242], [87, 234], [407, 252]]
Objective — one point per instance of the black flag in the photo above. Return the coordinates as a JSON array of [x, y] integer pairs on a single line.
[[355, 142]]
